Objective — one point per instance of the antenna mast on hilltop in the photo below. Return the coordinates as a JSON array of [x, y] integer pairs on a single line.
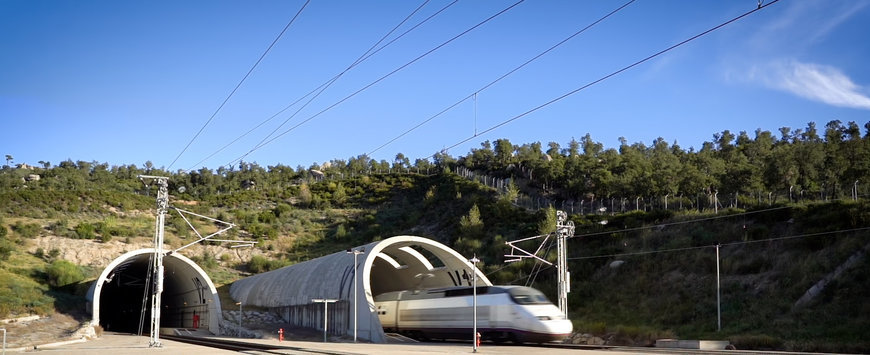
[[564, 230]]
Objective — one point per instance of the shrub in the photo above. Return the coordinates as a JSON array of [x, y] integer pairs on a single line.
[[206, 261], [108, 227], [59, 227], [6, 249], [340, 232], [29, 230], [85, 231], [281, 209], [259, 264], [180, 226], [61, 273], [267, 217]]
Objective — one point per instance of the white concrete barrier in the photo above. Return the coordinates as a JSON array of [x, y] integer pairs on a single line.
[[693, 344]]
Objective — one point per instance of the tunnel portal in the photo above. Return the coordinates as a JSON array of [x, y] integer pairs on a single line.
[[393, 264], [119, 301]]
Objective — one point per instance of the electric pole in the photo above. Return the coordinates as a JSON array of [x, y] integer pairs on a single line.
[[157, 260], [564, 231]]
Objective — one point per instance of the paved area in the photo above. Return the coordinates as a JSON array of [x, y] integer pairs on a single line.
[[122, 345], [129, 344]]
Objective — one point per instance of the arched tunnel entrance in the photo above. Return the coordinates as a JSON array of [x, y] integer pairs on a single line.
[[120, 303], [394, 264], [414, 264]]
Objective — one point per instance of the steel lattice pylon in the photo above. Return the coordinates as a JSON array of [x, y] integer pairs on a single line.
[[564, 230], [157, 260], [159, 254]]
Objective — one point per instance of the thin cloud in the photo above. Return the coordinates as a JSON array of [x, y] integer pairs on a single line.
[[815, 82], [805, 23]]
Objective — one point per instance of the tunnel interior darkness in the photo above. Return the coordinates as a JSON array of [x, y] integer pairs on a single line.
[[184, 302]]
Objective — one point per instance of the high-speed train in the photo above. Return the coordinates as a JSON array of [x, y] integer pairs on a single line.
[[514, 313]]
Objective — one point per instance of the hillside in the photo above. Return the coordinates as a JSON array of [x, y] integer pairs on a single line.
[[645, 273]]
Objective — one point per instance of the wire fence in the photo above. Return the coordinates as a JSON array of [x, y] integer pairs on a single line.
[[702, 201]]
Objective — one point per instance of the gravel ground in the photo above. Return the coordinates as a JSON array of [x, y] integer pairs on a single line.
[[295, 333], [51, 329], [61, 327]]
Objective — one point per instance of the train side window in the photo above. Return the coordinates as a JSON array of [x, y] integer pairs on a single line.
[[527, 295], [466, 291]]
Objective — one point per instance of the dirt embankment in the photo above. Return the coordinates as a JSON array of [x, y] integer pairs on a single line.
[[45, 330]]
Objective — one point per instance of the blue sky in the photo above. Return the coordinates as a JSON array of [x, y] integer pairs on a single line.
[[127, 82]]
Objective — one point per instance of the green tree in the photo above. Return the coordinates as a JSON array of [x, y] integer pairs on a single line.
[[471, 227], [531, 159], [855, 151], [511, 193], [422, 165], [634, 171], [758, 153], [401, 162], [836, 162], [359, 164], [339, 197], [809, 155], [305, 194], [443, 160], [504, 151], [480, 158], [666, 167], [548, 224], [471, 224]]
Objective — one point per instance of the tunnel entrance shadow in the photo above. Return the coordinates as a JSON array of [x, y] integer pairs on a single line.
[[189, 298]]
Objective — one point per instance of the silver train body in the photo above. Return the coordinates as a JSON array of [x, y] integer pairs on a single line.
[[504, 313]]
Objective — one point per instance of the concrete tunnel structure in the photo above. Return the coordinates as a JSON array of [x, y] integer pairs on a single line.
[[394, 264], [189, 298]]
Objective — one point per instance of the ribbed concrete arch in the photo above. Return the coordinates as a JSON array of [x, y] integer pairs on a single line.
[[189, 296], [394, 264]]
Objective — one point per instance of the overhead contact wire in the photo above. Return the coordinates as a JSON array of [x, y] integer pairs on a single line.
[[608, 76], [379, 80], [722, 245], [331, 80], [501, 77], [213, 115], [335, 78]]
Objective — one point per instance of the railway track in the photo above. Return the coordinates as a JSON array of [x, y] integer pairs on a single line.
[[637, 350], [652, 350], [257, 348], [250, 348]]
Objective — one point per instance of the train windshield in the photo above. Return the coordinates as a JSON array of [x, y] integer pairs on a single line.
[[527, 295]]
